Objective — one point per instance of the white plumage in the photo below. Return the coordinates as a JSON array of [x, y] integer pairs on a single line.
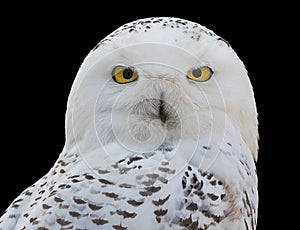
[[161, 133]]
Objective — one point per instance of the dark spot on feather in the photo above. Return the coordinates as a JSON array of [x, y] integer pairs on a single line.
[[183, 182], [203, 173], [192, 207], [160, 201], [103, 171], [222, 196], [132, 159], [209, 176], [194, 179], [119, 227], [199, 185], [186, 222], [62, 163], [124, 185], [89, 177], [99, 221], [79, 201], [210, 215], [62, 171], [26, 215], [63, 186], [195, 224], [135, 203], [153, 189], [75, 181], [16, 201], [166, 170], [252, 224], [158, 219], [61, 206], [245, 222], [75, 214], [63, 222], [163, 180], [145, 193], [200, 194], [52, 193], [33, 204], [95, 207], [38, 198], [214, 182], [187, 192], [111, 195], [212, 196], [42, 228], [152, 175], [58, 200], [32, 219], [103, 181], [160, 212], [43, 184], [112, 213], [45, 206], [248, 203], [148, 183], [120, 161], [27, 193], [124, 170], [206, 147], [126, 214], [35, 222]]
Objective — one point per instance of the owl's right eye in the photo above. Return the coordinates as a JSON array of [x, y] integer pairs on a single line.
[[124, 74], [201, 74]]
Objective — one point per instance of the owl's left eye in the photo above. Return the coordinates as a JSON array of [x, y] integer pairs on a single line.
[[203, 73], [124, 74]]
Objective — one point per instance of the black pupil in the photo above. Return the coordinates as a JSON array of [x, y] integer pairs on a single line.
[[127, 73], [197, 73]]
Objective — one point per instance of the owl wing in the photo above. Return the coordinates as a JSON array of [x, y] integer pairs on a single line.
[[210, 203], [15, 211]]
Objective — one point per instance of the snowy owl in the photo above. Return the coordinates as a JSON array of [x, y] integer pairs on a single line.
[[161, 133]]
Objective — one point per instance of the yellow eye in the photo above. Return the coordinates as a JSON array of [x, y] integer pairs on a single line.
[[200, 74], [124, 74]]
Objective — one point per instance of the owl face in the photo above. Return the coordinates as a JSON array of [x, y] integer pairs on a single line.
[[161, 80]]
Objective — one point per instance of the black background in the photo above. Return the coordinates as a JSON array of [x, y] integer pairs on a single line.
[[44, 46]]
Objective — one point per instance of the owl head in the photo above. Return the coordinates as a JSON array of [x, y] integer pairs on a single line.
[[160, 80]]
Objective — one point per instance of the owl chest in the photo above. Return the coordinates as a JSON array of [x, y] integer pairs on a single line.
[[131, 197]]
